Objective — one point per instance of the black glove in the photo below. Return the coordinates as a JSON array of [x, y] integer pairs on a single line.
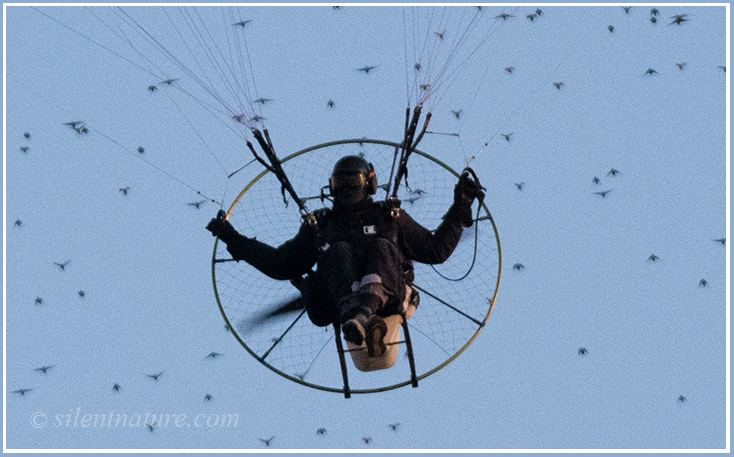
[[221, 227], [465, 191]]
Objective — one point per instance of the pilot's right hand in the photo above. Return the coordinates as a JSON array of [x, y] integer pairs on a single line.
[[221, 227]]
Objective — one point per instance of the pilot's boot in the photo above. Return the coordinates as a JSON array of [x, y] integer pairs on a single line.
[[365, 325]]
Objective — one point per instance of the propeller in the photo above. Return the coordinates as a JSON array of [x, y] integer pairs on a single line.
[[289, 305]]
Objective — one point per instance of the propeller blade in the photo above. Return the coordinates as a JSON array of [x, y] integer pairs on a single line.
[[289, 306]]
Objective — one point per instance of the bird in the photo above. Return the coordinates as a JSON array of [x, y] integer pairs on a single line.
[[614, 172], [610, 28], [702, 283], [509, 69], [62, 265], [417, 66], [653, 19], [169, 82], [24, 149], [627, 9], [242, 23], [116, 387], [531, 17], [394, 427], [124, 190], [603, 193], [154, 376], [267, 441], [678, 19], [141, 149], [504, 16], [440, 35], [650, 71], [330, 103], [457, 114], [197, 204], [208, 397], [213, 355], [519, 185], [18, 223], [27, 135], [583, 351], [654, 12], [723, 67], [653, 258], [681, 398], [681, 65], [721, 240], [22, 391], [151, 427], [263, 101], [82, 293], [44, 369], [74, 124], [538, 12], [321, 431], [39, 300], [507, 135], [367, 68], [412, 199], [518, 266], [367, 439], [152, 88], [558, 85], [425, 86], [257, 118], [596, 180]]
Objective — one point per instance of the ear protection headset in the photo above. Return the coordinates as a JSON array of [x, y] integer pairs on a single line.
[[353, 171]]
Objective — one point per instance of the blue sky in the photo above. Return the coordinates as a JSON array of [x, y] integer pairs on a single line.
[[652, 332]]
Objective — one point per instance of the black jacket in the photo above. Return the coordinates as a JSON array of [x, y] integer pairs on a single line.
[[297, 256]]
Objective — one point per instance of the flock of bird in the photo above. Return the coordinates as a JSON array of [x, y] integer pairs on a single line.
[[80, 128]]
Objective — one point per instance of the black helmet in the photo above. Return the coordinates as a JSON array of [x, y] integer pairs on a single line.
[[352, 178]]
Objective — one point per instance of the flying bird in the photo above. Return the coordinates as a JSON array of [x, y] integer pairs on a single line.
[[702, 283], [267, 441], [152, 88], [681, 398], [141, 149], [24, 149], [82, 293], [151, 427], [44, 369], [509, 69], [169, 82], [457, 113], [263, 101], [39, 300], [321, 431], [440, 35], [124, 190], [22, 391], [394, 427], [531, 17], [681, 65], [596, 180], [507, 135], [603, 193], [721, 240], [504, 16], [61, 265], [27, 135], [154, 376], [417, 66], [116, 387], [583, 351], [538, 12], [519, 185], [654, 12], [197, 204], [723, 68], [18, 223], [213, 355], [653, 19], [74, 124], [242, 23], [627, 9], [558, 85], [330, 103], [653, 258], [367, 69], [208, 397], [610, 28], [678, 19], [518, 266], [257, 118], [367, 440], [614, 172]]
